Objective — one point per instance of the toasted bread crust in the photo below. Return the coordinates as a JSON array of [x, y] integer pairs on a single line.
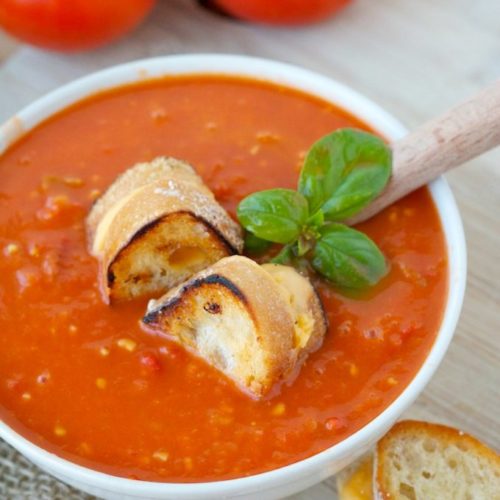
[[150, 212], [161, 168], [235, 284], [443, 436]]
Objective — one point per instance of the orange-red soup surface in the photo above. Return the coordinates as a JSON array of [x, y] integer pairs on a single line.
[[82, 379]]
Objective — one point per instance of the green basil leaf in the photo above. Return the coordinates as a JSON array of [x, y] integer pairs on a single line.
[[255, 245], [275, 215], [316, 220], [348, 257], [343, 172], [358, 189]]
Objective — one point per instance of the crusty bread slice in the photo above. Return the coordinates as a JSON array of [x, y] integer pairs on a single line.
[[237, 317], [424, 461], [156, 235]]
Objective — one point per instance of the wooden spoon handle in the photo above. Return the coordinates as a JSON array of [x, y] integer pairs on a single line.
[[446, 142]]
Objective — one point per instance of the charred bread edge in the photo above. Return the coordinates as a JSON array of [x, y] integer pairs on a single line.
[[212, 279], [150, 225]]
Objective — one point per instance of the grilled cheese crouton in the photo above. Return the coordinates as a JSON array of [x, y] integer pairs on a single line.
[[155, 227], [237, 316], [423, 461]]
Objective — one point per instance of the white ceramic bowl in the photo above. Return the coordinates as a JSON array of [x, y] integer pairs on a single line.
[[298, 476]]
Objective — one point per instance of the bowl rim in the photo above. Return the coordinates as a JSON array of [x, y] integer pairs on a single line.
[[311, 83]]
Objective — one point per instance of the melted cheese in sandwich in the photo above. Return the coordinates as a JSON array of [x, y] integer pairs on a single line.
[[297, 292]]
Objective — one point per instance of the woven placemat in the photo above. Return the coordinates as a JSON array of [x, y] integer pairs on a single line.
[[21, 480]]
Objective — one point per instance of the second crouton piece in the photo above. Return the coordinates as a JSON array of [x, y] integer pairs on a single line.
[[254, 323], [156, 226]]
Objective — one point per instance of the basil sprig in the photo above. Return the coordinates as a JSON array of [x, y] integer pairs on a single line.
[[342, 173]]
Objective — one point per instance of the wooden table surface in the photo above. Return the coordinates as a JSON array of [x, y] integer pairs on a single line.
[[413, 58]]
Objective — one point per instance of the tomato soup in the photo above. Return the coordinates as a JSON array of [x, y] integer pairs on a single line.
[[83, 380]]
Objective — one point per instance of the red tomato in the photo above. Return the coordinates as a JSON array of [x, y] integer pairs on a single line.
[[70, 25], [281, 11]]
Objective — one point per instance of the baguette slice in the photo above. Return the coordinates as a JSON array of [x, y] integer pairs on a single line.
[[155, 227], [424, 461], [236, 316]]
